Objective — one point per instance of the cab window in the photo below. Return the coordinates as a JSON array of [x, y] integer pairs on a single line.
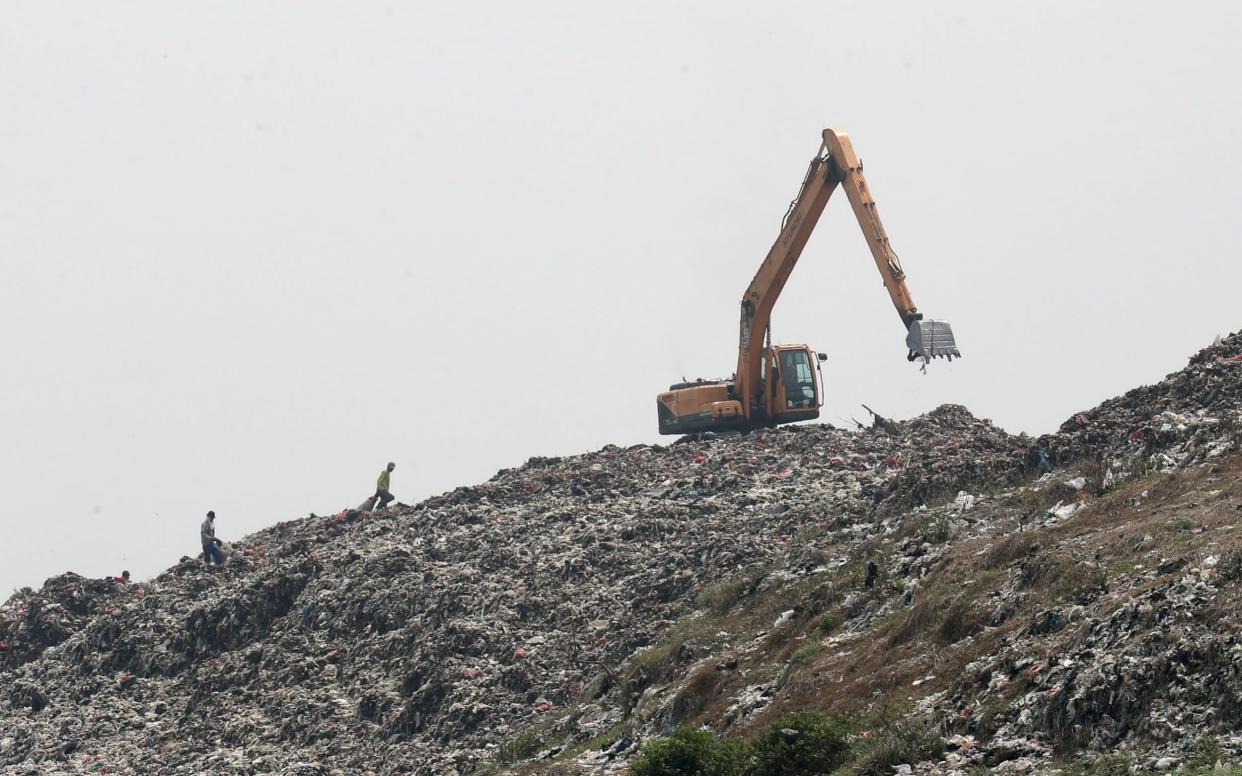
[[799, 379]]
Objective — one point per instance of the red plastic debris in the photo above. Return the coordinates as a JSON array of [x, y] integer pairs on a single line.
[[543, 707], [471, 673], [1136, 436], [519, 653], [700, 458]]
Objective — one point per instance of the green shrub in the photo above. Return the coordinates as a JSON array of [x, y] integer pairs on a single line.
[[1112, 764], [691, 752], [829, 622], [802, 744], [1206, 752], [897, 743], [719, 598], [1083, 585], [520, 747], [806, 653], [936, 531]]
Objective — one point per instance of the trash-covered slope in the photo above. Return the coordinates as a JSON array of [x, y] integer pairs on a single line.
[[30, 621], [1086, 609], [532, 615]]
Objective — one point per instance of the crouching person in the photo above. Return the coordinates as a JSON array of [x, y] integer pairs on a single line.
[[382, 493]]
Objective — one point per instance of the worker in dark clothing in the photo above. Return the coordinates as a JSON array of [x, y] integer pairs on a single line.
[[382, 494], [211, 545]]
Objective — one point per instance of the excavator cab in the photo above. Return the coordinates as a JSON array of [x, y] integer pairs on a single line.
[[793, 392]]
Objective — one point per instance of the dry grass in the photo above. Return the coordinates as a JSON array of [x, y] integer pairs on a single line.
[[1009, 549], [1076, 561], [661, 662], [695, 694], [1089, 558], [720, 598]]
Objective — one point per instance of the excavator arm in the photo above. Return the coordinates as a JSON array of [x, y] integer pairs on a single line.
[[848, 170], [835, 164], [925, 339]]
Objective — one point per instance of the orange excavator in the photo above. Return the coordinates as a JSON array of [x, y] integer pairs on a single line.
[[777, 384]]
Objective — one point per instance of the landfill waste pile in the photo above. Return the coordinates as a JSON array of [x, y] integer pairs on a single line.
[[32, 622], [1029, 599]]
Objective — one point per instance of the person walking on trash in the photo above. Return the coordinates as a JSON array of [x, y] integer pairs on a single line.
[[382, 495], [211, 545]]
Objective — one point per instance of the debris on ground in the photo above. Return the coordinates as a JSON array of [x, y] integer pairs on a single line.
[[542, 616]]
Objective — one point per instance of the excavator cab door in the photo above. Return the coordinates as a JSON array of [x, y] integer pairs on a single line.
[[795, 392]]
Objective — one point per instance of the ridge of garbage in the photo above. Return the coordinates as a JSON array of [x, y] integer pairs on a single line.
[[434, 639]]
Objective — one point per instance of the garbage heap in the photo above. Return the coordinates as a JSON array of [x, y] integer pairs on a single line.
[[1190, 417], [32, 622], [1142, 654], [427, 639]]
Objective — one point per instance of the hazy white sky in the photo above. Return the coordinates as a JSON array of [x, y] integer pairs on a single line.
[[249, 252]]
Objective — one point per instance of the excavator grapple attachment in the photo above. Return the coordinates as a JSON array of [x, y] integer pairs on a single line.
[[931, 339]]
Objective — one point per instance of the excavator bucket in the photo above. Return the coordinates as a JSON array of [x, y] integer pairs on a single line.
[[931, 339]]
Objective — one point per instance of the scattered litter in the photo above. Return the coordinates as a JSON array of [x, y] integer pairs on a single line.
[[423, 641]]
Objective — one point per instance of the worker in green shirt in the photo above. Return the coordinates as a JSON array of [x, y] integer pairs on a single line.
[[382, 495]]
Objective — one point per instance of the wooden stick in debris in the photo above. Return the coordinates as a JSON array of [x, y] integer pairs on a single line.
[[881, 421]]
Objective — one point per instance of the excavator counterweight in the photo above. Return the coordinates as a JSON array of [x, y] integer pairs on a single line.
[[777, 384]]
